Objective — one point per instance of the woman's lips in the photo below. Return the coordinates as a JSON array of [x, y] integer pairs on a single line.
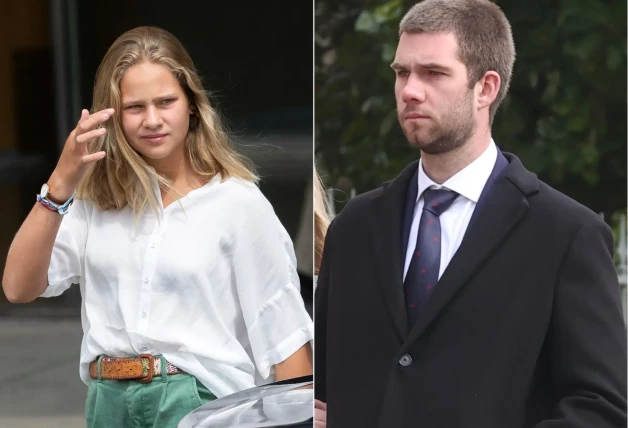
[[155, 138]]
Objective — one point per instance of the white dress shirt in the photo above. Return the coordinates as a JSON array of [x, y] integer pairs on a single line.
[[211, 284], [468, 183]]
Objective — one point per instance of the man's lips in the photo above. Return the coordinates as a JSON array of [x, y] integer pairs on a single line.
[[415, 116]]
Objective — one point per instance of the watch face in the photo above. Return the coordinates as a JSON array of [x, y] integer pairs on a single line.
[[44, 190]]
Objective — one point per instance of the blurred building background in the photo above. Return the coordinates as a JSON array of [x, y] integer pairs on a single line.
[[565, 115], [249, 61], [255, 59]]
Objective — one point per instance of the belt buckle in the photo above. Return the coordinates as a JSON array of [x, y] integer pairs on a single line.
[[147, 372]]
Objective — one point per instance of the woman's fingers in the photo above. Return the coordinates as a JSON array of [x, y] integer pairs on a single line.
[[87, 159], [320, 414], [318, 404], [89, 136], [84, 115], [86, 124]]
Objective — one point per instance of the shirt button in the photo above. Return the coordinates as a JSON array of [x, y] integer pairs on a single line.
[[144, 348], [152, 245], [143, 314], [145, 279], [405, 360]]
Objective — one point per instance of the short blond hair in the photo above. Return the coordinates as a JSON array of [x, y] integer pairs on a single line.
[[483, 34], [123, 177]]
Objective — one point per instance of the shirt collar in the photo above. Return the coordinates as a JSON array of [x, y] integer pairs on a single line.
[[468, 182]]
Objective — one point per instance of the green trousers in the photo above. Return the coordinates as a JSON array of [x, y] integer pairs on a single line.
[[162, 403]]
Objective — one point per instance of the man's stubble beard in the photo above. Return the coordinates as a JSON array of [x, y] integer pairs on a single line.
[[452, 131]]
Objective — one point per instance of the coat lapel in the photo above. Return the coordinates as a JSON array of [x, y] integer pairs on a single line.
[[408, 212], [386, 231], [504, 205], [498, 170]]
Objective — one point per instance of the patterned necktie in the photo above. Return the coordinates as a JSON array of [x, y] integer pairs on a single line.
[[422, 274]]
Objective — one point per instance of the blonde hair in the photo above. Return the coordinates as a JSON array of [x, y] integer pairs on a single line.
[[483, 34], [321, 221], [124, 178]]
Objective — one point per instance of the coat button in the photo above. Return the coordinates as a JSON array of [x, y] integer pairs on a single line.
[[405, 360]]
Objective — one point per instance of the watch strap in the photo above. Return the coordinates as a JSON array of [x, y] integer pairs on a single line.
[[53, 199], [61, 209]]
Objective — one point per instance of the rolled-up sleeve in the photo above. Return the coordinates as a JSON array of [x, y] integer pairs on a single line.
[[66, 261], [264, 266]]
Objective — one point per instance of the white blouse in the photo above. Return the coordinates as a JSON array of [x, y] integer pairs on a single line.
[[211, 284]]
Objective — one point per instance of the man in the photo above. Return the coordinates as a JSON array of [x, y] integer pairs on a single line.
[[466, 292]]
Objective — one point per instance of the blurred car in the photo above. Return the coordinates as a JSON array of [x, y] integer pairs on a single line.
[[278, 405]]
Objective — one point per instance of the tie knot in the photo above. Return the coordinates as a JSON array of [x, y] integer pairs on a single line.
[[437, 201]]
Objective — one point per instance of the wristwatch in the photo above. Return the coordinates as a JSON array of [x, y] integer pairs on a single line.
[[48, 201], [45, 193]]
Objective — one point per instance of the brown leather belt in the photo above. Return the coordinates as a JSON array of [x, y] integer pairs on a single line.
[[143, 368]]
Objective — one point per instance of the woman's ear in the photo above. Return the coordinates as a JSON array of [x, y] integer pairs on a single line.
[[194, 120]]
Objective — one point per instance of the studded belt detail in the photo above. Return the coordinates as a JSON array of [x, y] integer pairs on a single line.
[[143, 368]]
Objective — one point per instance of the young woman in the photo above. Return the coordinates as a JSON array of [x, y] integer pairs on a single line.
[[188, 279]]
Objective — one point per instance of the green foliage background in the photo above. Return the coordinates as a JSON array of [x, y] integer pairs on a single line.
[[565, 115]]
